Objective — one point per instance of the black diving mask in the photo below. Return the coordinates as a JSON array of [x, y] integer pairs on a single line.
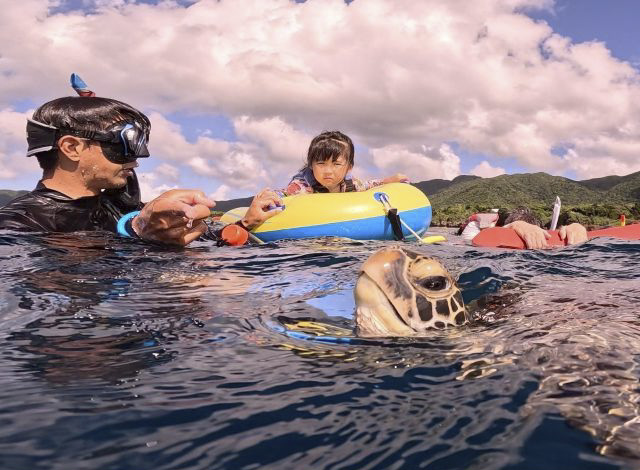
[[123, 143]]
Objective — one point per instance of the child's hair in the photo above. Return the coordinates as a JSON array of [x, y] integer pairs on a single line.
[[330, 145], [521, 213]]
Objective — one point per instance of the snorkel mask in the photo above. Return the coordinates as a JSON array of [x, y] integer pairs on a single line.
[[123, 143]]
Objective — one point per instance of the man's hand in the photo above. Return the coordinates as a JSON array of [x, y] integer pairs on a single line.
[[174, 218], [265, 205], [534, 237], [574, 233]]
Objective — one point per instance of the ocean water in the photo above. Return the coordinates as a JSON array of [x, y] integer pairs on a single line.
[[118, 355]]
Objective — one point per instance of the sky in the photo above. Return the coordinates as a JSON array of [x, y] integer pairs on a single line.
[[236, 89]]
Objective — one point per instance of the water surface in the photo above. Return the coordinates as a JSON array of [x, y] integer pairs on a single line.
[[117, 355]]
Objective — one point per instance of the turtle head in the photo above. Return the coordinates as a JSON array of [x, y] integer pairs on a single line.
[[402, 293]]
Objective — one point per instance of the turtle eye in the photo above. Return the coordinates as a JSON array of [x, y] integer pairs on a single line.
[[434, 283]]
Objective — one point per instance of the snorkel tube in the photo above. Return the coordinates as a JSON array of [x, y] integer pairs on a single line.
[[556, 214], [80, 86], [128, 198]]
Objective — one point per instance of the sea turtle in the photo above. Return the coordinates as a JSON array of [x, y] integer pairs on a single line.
[[403, 293], [576, 348]]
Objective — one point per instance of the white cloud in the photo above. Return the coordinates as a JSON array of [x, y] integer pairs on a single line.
[[429, 163], [485, 170], [150, 187], [270, 151], [13, 161], [222, 193], [162, 178], [586, 168], [282, 142], [392, 76], [234, 162], [168, 172]]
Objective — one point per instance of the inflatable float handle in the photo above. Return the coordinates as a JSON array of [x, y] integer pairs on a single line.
[[381, 197], [384, 199], [392, 215]]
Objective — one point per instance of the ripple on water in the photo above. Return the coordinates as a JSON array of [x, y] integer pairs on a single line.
[[117, 355]]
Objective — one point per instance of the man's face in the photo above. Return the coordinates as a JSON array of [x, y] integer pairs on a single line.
[[98, 172]]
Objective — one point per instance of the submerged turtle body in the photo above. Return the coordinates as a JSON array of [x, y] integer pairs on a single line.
[[403, 293]]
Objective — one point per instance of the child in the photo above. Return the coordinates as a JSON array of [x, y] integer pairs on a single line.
[[329, 160]]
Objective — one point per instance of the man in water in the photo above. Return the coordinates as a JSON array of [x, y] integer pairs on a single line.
[[88, 148]]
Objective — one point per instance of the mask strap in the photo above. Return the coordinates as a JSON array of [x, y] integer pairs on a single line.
[[41, 137]]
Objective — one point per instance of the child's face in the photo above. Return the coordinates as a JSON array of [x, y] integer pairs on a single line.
[[330, 173]]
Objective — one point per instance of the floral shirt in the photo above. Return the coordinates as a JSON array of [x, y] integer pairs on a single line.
[[304, 182]]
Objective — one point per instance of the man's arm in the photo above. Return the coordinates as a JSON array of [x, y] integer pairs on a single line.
[[177, 216], [174, 218]]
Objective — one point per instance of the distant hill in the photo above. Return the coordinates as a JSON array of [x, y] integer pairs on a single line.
[[431, 187], [608, 182], [519, 190], [224, 206], [628, 188], [7, 195], [596, 201], [584, 203], [515, 190]]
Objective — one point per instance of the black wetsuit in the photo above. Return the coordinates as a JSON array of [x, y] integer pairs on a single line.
[[47, 210]]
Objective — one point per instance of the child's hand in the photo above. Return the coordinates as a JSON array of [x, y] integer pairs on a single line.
[[397, 178], [266, 204]]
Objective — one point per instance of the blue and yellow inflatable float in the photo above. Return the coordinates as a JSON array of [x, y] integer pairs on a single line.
[[357, 215]]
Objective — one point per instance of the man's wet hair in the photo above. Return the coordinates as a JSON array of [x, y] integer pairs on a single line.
[[330, 145], [506, 216], [87, 113]]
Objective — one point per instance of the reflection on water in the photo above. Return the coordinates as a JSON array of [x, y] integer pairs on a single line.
[[119, 355]]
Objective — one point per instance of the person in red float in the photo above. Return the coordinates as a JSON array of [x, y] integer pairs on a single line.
[[527, 227]]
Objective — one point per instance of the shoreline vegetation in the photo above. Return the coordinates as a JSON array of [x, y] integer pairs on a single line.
[[595, 203], [592, 216]]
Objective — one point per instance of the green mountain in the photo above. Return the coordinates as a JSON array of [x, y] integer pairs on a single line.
[[437, 185], [224, 206], [597, 201], [517, 190], [628, 188], [608, 182], [7, 195]]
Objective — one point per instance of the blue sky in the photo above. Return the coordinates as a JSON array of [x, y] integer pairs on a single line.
[[614, 22], [237, 89]]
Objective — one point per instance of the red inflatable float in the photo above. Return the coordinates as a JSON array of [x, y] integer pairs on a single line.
[[503, 237]]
